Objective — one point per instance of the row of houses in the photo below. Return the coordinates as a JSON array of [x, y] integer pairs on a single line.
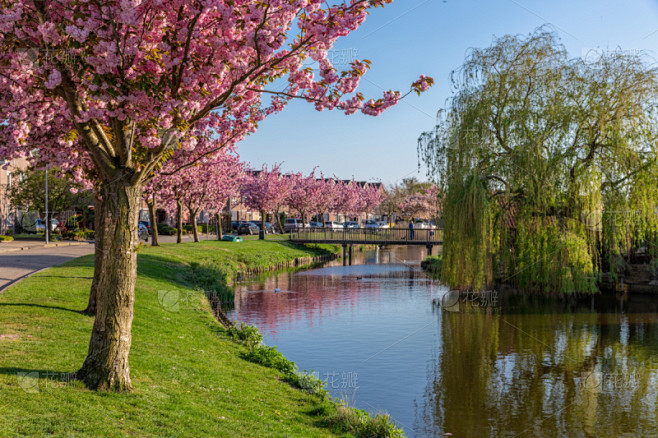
[[10, 215]]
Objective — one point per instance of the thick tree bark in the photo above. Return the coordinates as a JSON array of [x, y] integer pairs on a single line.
[[152, 218], [106, 366], [179, 222], [194, 230], [98, 254]]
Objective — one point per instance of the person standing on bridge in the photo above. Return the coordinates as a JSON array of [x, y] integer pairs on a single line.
[[411, 229]]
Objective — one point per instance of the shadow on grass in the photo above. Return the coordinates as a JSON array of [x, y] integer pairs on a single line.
[[41, 306], [28, 378], [197, 276]]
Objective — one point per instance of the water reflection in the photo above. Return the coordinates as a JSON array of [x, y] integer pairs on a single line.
[[528, 367], [575, 372]]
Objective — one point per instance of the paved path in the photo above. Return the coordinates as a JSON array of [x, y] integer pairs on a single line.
[[16, 265], [22, 245], [20, 259]]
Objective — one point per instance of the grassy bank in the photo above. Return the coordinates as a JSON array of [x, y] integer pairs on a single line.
[[191, 377]]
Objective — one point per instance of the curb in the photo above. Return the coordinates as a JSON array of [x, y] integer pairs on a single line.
[[50, 245]]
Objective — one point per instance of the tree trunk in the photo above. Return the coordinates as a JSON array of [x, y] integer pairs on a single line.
[[194, 230], [98, 254], [261, 234], [106, 366], [219, 226], [277, 221], [152, 218], [179, 222]]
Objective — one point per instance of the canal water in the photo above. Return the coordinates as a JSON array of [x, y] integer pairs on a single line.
[[386, 338]]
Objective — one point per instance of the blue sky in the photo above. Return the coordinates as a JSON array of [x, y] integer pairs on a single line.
[[431, 37]]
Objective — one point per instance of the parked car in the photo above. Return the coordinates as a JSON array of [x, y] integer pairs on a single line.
[[371, 224], [292, 224], [249, 228], [41, 228], [383, 225], [335, 226], [142, 232], [351, 224], [147, 224], [269, 228], [315, 224]]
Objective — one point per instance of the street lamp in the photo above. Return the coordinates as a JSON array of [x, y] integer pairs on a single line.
[[47, 225]]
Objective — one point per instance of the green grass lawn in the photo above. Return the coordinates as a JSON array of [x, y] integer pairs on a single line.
[[189, 376]]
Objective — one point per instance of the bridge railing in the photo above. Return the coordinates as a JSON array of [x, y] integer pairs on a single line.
[[376, 235]]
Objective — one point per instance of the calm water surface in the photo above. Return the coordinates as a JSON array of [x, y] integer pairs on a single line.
[[522, 367]]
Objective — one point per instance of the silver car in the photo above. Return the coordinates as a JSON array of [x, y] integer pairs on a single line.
[[333, 225], [142, 232]]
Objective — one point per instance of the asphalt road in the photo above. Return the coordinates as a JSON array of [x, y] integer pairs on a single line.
[[17, 265]]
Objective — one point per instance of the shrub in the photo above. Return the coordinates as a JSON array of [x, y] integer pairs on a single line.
[[271, 358], [432, 264], [308, 382], [77, 234], [359, 423], [73, 223], [6, 238], [246, 334], [166, 230], [38, 236], [188, 228]]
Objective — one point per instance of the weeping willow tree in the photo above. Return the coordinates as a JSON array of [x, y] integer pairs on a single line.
[[548, 165]]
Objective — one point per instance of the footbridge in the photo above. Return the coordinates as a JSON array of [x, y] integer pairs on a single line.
[[347, 237]]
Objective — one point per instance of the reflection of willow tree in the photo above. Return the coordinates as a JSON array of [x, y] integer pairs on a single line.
[[581, 374], [532, 144]]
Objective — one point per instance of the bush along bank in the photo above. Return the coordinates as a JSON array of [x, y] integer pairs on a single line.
[[432, 264], [339, 417], [242, 263]]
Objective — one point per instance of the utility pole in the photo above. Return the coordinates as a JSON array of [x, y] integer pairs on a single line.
[[47, 224]]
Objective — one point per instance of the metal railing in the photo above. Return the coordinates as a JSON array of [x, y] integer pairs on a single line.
[[368, 235]]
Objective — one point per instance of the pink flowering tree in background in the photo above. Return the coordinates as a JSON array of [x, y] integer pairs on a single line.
[[265, 191], [326, 196], [424, 204], [372, 197], [434, 202], [206, 184], [348, 199], [226, 177], [303, 193], [126, 83]]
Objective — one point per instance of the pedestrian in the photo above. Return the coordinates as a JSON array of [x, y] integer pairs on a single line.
[[411, 229]]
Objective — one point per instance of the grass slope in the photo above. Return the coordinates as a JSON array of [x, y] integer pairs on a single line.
[[189, 376]]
